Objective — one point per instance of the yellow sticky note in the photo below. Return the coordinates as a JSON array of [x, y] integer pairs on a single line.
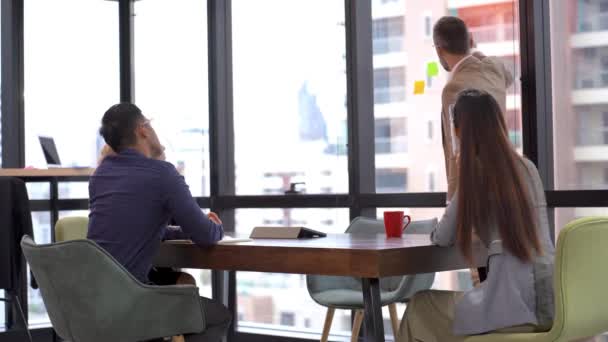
[[418, 87]]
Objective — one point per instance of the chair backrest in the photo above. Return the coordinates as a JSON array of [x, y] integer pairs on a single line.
[[581, 302], [89, 296], [71, 228], [364, 225]]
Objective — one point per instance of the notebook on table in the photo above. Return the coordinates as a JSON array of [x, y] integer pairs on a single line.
[[285, 233], [224, 241]]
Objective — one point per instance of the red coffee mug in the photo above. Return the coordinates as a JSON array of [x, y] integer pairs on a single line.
[[393, 223]]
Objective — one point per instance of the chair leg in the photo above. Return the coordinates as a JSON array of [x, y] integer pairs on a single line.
[[357, 325], [392, 309], [329, 317]]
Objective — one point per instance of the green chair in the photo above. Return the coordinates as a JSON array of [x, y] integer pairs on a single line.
[[346, 292], [581, 301], [71, 228], [91, 298]]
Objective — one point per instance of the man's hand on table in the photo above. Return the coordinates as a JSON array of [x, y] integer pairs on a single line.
[[214, 218]]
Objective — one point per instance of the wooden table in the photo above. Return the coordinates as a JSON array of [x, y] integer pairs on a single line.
[[369, 257], [53, 176], [46, 173]]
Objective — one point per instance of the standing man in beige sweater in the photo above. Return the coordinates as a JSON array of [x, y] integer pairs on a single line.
[[468, 69]]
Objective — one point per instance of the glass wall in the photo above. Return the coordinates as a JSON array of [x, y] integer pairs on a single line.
[[171, 84], [2, 312], [409, 152], [289, 96], [71, 76], [290, 110], [579, 31], [580, 84], [42, 234], [282, 300]]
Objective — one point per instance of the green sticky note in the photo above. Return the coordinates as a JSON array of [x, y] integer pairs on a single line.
[[432, 69], [418, 87]]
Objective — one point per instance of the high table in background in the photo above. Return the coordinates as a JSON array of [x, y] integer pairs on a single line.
[[53, 176]]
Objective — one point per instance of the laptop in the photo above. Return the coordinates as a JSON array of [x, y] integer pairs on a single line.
[[50, 151]]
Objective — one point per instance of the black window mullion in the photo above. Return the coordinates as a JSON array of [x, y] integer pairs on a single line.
[[13, 123], [13, 113], [536, 91], [360, 103], [126, 50], [221, 137], [536, 94]]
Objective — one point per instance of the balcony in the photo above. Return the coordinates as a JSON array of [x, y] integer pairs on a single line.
[[386, 45], [593, 137], [597, 153], [593, 23], [493, 33], [588, 80], [590, 96], [471, 3], [391, 145]]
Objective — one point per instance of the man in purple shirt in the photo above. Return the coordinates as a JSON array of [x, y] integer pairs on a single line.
[[133, 196]]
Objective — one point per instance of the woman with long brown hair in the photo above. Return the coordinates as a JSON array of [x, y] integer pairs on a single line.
[[501, 201]]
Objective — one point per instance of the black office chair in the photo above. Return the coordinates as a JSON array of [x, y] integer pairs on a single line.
[[15, 221], [13, 298]]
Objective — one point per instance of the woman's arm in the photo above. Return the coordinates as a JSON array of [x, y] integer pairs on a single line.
[[445, 232]]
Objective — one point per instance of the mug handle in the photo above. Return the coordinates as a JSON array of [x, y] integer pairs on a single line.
[[409, 220]]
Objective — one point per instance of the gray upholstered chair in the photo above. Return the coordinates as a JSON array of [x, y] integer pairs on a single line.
[[346, 293], [91, 298]]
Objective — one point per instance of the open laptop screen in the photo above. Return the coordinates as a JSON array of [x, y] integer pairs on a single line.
[[50, 150]]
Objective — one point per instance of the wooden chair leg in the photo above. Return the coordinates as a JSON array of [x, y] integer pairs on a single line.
[[392, 309], [179, 338], [357, 325], [329, 317]]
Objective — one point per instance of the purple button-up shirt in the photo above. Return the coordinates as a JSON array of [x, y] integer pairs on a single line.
[[132, 198]]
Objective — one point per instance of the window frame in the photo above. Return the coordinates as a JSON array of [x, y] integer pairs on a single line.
[[361, 200]]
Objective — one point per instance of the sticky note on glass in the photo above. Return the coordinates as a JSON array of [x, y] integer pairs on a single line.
[[418, 87], [432, 69]]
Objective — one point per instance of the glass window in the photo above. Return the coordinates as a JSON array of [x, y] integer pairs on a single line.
[[431, 182], [2, 312], [580, 81], [289, 91], [71, 76], [41, 222], [494, 26], [428, 26], [563, 216], [391, 180], [391, 135], [171, 83], [591, 16], [389, 85], [272, 300], [388, 34]]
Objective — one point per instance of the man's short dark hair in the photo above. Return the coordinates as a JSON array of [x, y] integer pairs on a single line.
[[118, 125], [452, 35]]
